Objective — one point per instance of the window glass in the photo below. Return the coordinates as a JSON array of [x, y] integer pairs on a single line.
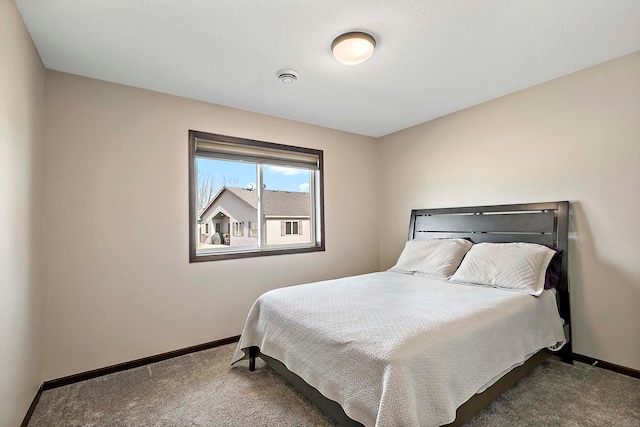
[[288, 199], [226, 199]]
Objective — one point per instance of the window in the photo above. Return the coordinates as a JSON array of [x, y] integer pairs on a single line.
[[237, 228], [291, 227], [275, 189], [206, 228]]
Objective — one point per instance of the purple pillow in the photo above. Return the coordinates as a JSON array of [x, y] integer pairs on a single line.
[[552, 276]]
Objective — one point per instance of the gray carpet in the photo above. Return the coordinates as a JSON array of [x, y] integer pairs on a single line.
[[201, 389]]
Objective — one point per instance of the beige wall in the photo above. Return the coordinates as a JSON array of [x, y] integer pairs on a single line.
[[125, 289], [576, 138], [21, 101]]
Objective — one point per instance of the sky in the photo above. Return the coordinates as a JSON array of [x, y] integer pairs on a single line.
[[239, 174]]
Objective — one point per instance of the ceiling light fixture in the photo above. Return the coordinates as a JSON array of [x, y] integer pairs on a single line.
[[287, 76], [353, 48]]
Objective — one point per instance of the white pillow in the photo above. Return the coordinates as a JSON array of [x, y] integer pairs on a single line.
[[437, 258], [517, 266]]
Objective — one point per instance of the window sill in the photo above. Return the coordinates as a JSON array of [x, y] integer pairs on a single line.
[[251, 253]]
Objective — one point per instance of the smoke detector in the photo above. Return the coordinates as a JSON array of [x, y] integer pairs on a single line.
[[287, 76]]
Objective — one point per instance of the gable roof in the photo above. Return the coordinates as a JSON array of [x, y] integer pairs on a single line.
[[276, 203]]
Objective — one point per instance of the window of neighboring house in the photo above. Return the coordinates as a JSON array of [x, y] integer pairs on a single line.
[[253, 228], [237, 229], [291, 228], [278, 185], [206, 228]]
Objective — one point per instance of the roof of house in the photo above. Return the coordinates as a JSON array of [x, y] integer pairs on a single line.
[[276, 203]]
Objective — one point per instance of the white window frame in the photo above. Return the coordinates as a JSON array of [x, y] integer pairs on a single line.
[[262, 154], [238, 229], [251, 230], [294, 221]]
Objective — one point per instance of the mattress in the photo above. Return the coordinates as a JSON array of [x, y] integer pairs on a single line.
[[400, 350]]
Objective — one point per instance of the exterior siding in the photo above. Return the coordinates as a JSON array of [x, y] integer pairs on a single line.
[[274, 232]]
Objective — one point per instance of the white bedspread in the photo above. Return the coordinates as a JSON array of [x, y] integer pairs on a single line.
[[400, 350]]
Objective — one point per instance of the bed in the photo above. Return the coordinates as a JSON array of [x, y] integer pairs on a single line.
[[393, 349]]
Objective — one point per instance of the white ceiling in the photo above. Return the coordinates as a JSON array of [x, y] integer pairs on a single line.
[[433, 57]]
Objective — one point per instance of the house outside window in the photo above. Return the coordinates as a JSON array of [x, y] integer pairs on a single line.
[[281, 202]]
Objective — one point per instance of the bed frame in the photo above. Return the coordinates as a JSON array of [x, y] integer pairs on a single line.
[[543, 223]]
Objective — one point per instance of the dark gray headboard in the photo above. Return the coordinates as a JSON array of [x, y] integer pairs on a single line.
[[543, 223]]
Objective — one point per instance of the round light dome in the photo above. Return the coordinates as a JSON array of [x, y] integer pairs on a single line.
[[353, 48]]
